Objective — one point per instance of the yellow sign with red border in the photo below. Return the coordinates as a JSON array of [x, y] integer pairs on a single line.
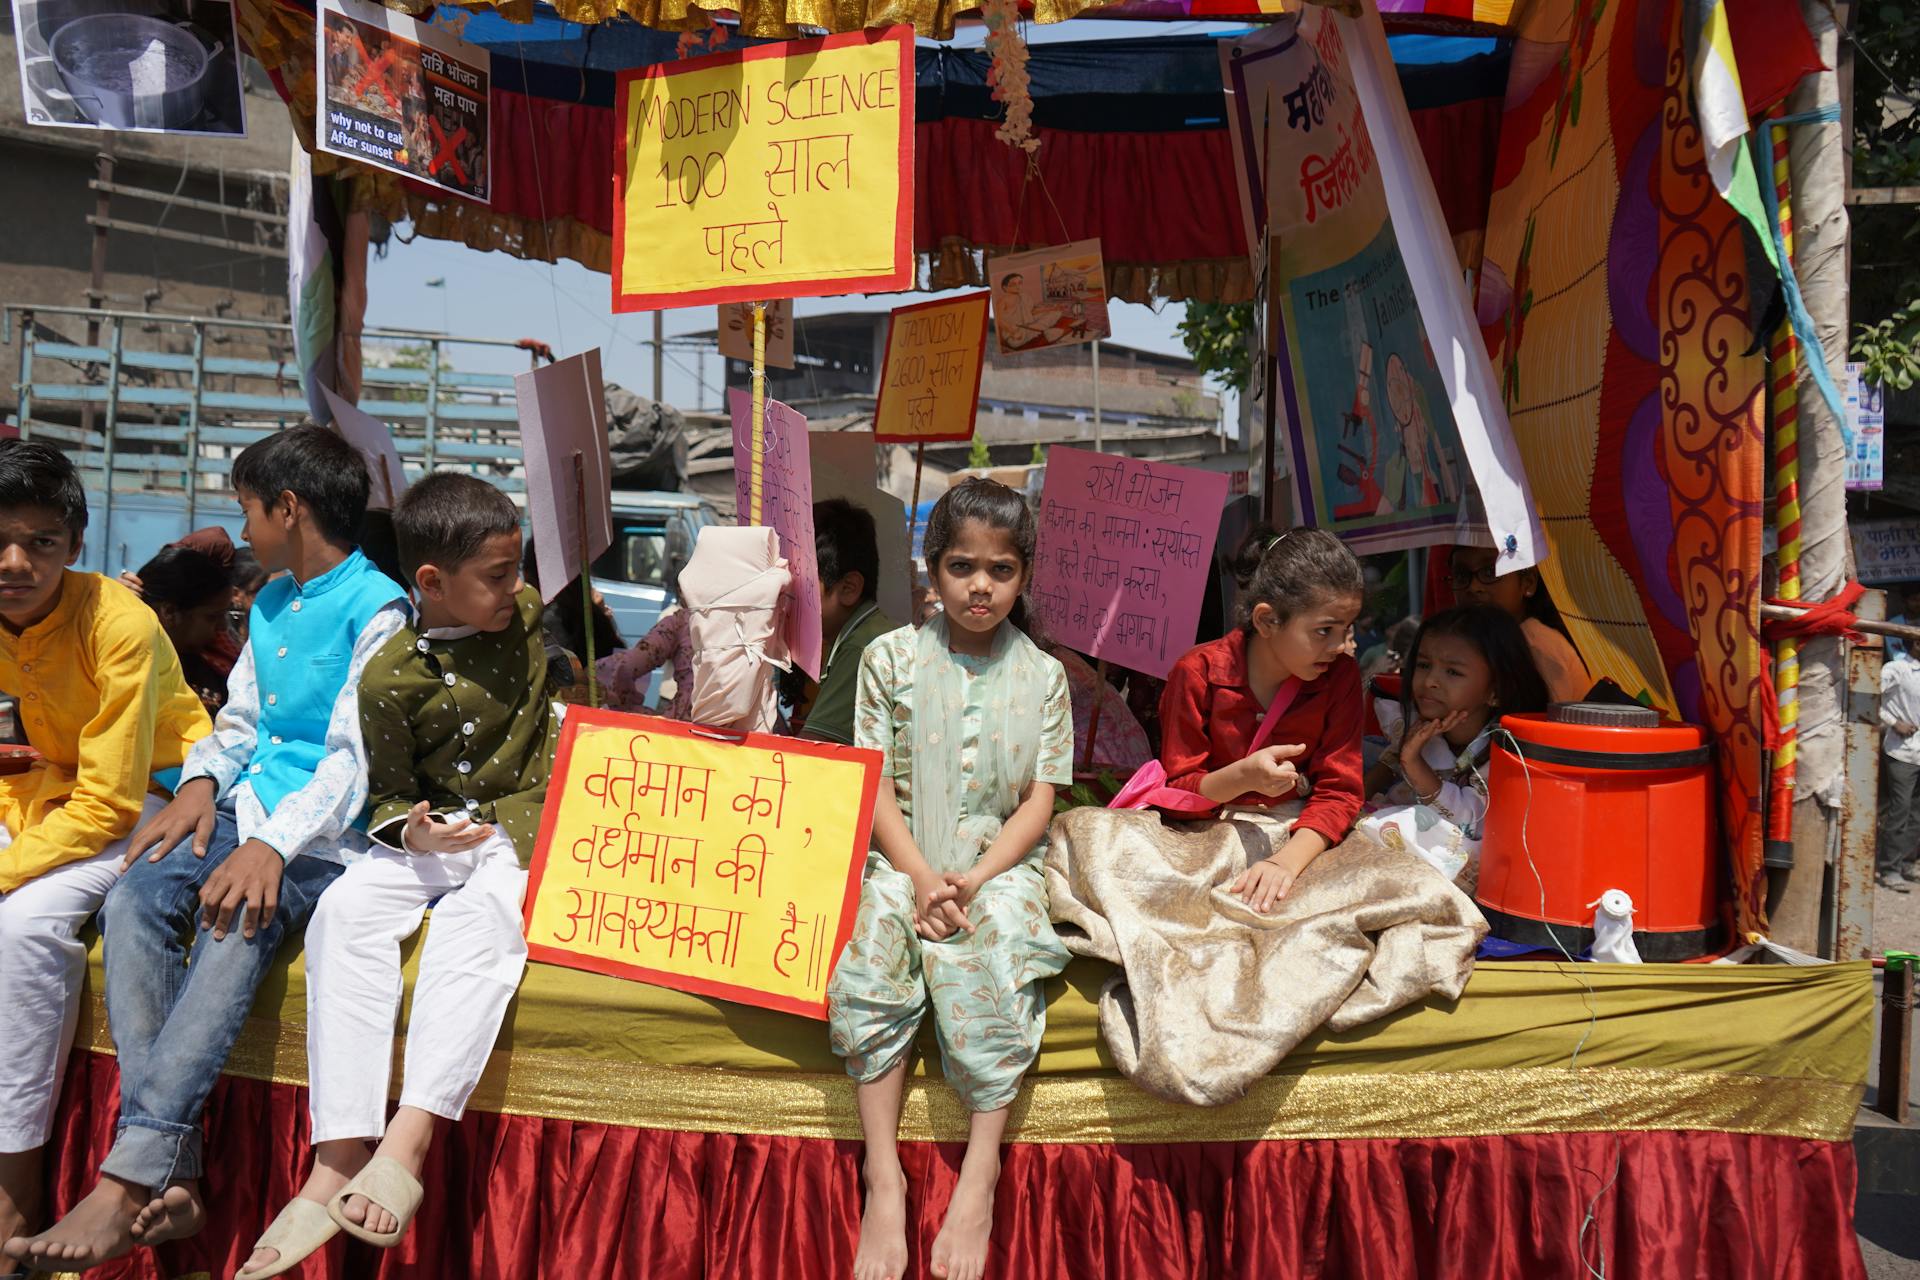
[[723, 864], [777, 171]]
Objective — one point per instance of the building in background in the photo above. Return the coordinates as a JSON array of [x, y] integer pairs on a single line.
[[1150, 406], [146, 222]]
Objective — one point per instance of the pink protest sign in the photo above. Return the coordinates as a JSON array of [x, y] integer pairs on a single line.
[[563, 439], [1123, 554], [786, 507]]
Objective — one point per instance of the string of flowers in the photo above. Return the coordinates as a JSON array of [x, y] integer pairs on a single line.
[[1007, 73]]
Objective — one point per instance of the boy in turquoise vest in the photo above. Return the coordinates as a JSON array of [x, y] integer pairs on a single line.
[[268, 813]]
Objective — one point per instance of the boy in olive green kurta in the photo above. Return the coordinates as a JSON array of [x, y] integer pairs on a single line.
[[459, 732], [462, 721]]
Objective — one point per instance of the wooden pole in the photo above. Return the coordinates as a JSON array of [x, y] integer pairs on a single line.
[[1896, 1036], [1783, 371], [586, 573], [1099, 699], [1868, 626], [1816, 157], [913, 521], [757, 448]]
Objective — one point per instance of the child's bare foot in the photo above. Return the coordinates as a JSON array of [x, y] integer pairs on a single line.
[[960, 1250], [97, 1230], [334, 1164], [19, 1195], [174, 1214], [882, 1254]]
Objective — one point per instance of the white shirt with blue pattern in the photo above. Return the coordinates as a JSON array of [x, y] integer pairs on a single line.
[[317, 820]]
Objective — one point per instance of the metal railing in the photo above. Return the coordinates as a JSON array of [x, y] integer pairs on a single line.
[[151, 407]]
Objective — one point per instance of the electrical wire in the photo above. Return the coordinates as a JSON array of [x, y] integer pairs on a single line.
[[166, 206], [1590, 1220], [540, 191], [614, 335], [1904, 92]]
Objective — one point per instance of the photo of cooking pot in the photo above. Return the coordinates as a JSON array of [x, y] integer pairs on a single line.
[[134, 66]]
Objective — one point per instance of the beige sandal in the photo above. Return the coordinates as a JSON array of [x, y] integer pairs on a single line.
[[384, 1182], [298, 1232]]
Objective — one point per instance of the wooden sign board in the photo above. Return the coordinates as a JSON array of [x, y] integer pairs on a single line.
[[373, 441], [563, 441], [734, 326], [930, 381]]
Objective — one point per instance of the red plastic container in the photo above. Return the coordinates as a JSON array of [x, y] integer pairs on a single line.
[[1601, 797]]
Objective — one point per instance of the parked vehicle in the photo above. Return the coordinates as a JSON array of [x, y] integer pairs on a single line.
[[653, 535]]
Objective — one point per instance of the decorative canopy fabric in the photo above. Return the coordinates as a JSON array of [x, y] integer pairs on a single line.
[[1618, 302], [1134, 149], [785, 19]]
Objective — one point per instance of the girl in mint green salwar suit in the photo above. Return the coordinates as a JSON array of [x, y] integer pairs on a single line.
[[975, 726]]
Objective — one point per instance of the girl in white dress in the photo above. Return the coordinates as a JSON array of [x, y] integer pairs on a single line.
[[1468, 667]]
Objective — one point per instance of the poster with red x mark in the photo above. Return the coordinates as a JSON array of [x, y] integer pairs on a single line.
[[406, 96]]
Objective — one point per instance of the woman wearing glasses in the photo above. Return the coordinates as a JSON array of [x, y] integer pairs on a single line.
[[1522, 596]]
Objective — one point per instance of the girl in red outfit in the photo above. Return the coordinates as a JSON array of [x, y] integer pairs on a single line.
[[1299, 602], [1237, 937]]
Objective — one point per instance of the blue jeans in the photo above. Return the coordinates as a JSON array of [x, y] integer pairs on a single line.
[[177, 999]]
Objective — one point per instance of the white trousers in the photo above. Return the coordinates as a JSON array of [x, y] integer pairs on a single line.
[[470, 967], [42, 966]]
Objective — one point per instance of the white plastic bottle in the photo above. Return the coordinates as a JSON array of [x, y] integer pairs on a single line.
[[1613, 928]]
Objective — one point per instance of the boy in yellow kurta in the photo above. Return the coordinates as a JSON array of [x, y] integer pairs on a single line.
[[99, 692]]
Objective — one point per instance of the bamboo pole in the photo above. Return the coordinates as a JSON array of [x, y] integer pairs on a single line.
[[1816, 159], [586, 575], [757, 446], [1866, 626], [1783, 376], [913, 517]]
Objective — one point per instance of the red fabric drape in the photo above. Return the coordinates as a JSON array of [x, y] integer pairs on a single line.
[[1460, 142], [550, 160], [1153, 198], [1150, 197], [1833, 617], [1773, 49], [520, 1198]]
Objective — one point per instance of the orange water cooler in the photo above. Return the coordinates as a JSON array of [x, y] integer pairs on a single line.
[[1592, 797]]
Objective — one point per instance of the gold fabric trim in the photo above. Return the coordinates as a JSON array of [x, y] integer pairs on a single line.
[[1769, 1021], [1106, 1109]]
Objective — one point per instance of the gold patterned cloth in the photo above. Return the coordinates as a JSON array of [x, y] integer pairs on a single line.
[[1210, 995], [1763, 1049]]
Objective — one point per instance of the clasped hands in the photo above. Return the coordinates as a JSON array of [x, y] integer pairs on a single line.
[[940, 904]]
